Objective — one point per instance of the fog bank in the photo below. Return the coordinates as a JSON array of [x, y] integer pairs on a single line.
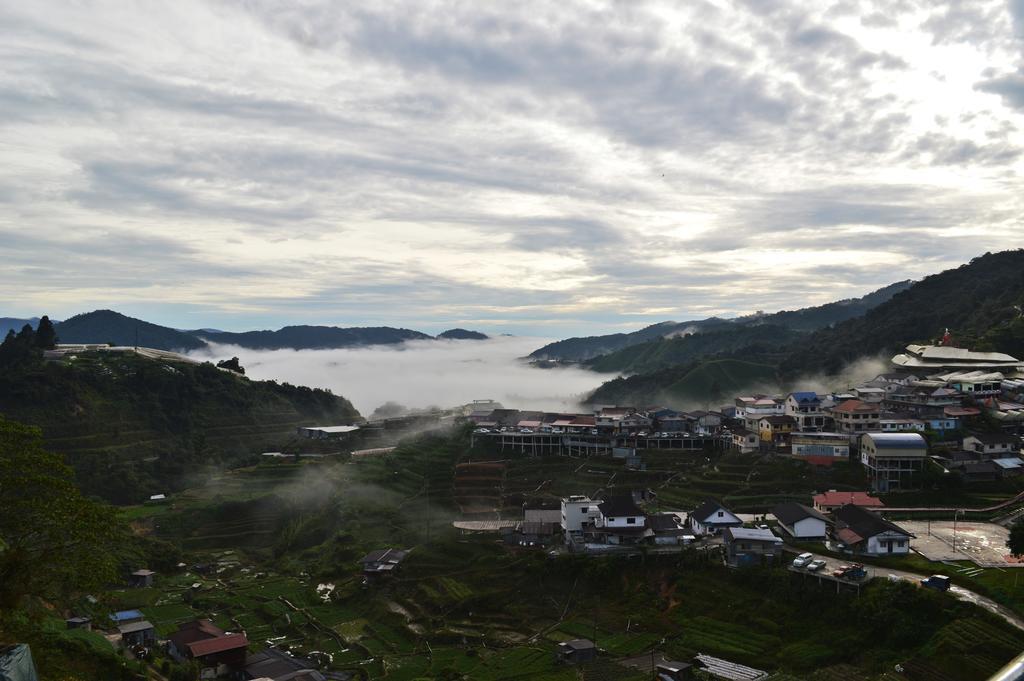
[[419, 374]]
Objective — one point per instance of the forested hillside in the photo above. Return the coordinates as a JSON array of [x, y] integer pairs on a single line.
[[980, 303], [107, 326], [667, 352], [805, 320], [132, 426]]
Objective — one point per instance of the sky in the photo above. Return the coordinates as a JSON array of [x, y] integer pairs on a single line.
[[545, 168]]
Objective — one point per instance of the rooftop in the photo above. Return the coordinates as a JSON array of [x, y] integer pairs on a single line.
[[791, 512], [897, 440], [864, 523], [220, 644], [835, 498], [749, 534]]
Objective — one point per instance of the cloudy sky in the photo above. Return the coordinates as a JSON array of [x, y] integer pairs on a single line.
[[550, 168]]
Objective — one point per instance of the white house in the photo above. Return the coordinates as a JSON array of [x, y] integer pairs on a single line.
[[992, 444], [710, 517], [745, 441], [865, 532], [621, 522], [800, 521], [579, 514]]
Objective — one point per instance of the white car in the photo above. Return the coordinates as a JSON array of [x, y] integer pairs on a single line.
[[802, 560], [815, 565]]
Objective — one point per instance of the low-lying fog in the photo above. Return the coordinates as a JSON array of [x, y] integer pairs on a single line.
[[420, 374]]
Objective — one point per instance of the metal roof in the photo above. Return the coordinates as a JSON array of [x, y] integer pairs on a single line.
[[752, 534], [134, 626], [897, 440], [731, 671]]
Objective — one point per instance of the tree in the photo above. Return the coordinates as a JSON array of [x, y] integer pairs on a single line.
[[1016, 541], [46, 335], [231, 365], [53, 541]]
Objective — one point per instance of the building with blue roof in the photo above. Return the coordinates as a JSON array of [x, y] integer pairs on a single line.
[[127, 616], [806, 409], [893, 461]]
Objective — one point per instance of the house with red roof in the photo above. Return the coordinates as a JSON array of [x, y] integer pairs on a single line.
[[209, 645], [832, 499]]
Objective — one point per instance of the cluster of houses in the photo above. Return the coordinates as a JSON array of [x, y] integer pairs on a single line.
[[851, 520], [216, 653], [937, 408]]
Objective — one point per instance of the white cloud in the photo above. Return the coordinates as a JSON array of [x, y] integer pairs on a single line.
[[420, 374], [527, 166]]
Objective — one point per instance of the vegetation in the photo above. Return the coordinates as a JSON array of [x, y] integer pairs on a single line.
[[982, 306], [803, 320], [467, 607], [979, 302], [704, 383], [52, 540], [132, 426], [663, 353]]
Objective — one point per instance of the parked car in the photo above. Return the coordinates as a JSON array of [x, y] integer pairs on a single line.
[[816, 565], [802, 560], [937, 582]]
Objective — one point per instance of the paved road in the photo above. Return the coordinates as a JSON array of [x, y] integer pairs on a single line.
[[957, 591]]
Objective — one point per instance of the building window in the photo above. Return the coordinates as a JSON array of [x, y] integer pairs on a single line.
[[721, 514], [631, 521], [584, 509]]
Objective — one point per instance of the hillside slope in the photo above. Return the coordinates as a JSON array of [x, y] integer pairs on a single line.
[[132, 426], [805, 320], [980, 303], [701, 383], [107, 326], [666, 352]]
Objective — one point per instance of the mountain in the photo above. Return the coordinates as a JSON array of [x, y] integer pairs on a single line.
[[981, 304], [15, 324], [462, 334], [661, 353], [132, 426], [588, 347], [701, 383], [802, 320], [314, 337], [821, 316], [107, 326]]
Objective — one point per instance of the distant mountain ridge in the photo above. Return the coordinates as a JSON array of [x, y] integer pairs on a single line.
[[981, 303], [108, 326], [313, 337], [802, 320], [462, 334], [15, 324]]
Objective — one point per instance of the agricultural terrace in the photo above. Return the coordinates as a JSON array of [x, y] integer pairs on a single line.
[[280, 544]]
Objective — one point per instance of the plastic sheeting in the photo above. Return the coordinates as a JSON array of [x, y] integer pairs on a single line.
[[16, 664]]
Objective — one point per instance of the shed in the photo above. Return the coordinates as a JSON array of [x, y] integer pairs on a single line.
[[137, 633], [577, 651], [78, 623], [142, 578], [672, 670]]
